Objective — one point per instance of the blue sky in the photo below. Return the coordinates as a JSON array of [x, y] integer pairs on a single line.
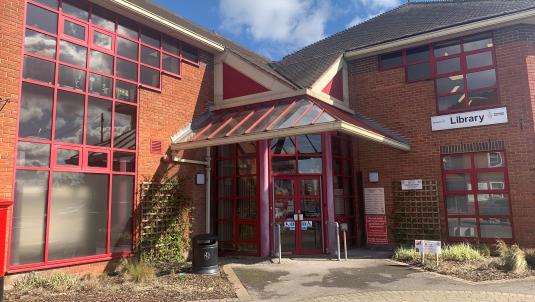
[[275, 28]]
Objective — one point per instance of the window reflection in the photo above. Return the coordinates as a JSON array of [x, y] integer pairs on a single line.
[[125, 127], [100, 85], [74, 30], [127, 70], [121, 213], [150, 77], [38, 69], [98, 131], [101, 62], [102, 40], [126, 91], [65, 157], [124, 162], [72, 54], [42, 19], [69, 117], [72, 78], [127, 48], [77, 9], [35, 119], [33, 154], [40, 44]]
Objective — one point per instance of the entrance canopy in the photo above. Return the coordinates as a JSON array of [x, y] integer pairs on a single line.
[[277, 119]]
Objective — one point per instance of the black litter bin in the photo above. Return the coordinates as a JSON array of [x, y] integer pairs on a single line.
[[205, 254]]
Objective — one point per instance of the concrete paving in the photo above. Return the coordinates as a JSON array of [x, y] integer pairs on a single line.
[[367, 276]]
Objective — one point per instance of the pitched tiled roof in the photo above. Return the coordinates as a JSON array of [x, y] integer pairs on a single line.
[[308, 64]]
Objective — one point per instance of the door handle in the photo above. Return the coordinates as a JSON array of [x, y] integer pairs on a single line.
[[296, 217], [300, 216]]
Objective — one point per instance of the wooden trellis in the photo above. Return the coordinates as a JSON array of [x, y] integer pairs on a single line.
[[416, 213], [160, 208]]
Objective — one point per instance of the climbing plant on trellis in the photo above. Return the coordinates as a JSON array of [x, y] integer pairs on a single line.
[[164, 221]]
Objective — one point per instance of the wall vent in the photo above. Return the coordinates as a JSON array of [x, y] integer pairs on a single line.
[[155, 146]]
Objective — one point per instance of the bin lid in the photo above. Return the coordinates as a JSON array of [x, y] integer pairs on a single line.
[[205, 237]]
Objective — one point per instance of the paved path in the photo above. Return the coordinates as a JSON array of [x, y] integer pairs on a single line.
[[368, 279]]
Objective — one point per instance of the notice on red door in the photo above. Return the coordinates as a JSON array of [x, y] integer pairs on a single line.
[[376, 230]]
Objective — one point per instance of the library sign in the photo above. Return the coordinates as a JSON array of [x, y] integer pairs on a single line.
[[469, 119]]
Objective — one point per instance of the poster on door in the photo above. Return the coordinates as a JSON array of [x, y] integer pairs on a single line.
[[376, 230]]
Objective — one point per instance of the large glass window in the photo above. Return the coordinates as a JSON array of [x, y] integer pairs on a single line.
[[236, 198], [477, 196], [344, 193], [297, 155], [80, 131]]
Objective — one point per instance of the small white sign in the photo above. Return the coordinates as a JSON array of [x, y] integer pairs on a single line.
[[469, 119], [428, 246], [411, 184], [374, 200]]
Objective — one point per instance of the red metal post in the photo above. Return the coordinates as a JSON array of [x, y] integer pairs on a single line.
[[4, 206]]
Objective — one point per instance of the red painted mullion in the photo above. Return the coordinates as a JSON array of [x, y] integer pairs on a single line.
[[260, 119], [310, 106], [240, 123], [283, 113]]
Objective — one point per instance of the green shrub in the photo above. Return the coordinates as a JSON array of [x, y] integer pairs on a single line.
[[484, 250], [530, 257], [461, 252], [54, 282], [406, 254], [513, 258], [137, 271]]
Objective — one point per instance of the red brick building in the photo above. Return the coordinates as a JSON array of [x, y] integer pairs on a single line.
[[416, 124]]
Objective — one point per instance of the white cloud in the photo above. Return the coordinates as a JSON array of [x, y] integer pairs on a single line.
[[289, 23], [377, 4]]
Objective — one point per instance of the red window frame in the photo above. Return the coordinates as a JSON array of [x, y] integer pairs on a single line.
[[464, 70], [235, 220], [473, 171]]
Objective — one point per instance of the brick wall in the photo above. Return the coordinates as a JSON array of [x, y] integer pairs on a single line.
[[11, 14], [162, 114], [407, 108]]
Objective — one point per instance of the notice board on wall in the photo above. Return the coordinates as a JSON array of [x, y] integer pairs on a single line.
[[376, 230], [374, 201]]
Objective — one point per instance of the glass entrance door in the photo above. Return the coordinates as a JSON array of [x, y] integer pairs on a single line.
[[297, 208]]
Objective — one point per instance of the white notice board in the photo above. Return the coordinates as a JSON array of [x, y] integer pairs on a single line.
[[374, 200]]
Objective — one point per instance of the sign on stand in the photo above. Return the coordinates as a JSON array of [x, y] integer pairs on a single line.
[[428, 247]]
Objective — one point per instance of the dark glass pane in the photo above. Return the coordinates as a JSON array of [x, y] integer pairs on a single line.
[[283, 187], [451, 102], [78, 215], [246, 208], [478, 42], [246, 232], [283, 165], [283, 145], [247, 148], [448, 66], [419, 71], [150, 37], [150, 77], [246, 187], [481, 79], [33, 155], [69, 117], [126, 91], [122, 204], [127, 48], [247, 166], [489, 160], [78, 9], [493, 204], [190, 53], [495, 228], [125, 126], [309, 144], [37, 69], [100, 85], [126, 69], [170, 64], [479, 60], [225, 187], [124, 162], [42, 19], [458, 182], [462, 227], [457, 162], [483, 98], [29, 217], [226, 168], [128, 29], [40, 44], [50, 3], [72, 78], [311, 238], [97, 160], [225, 151], [310, 187], [72, 54], [35, 119], [391, 60], [171, 45], [417, 54], [447, 49], [65, 157], [461, 204], [101, 62], [491, 181], [102, 40], [150, 56], [343, 185], [453, 84], [74, 30], [98, 131], [102, 18]]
